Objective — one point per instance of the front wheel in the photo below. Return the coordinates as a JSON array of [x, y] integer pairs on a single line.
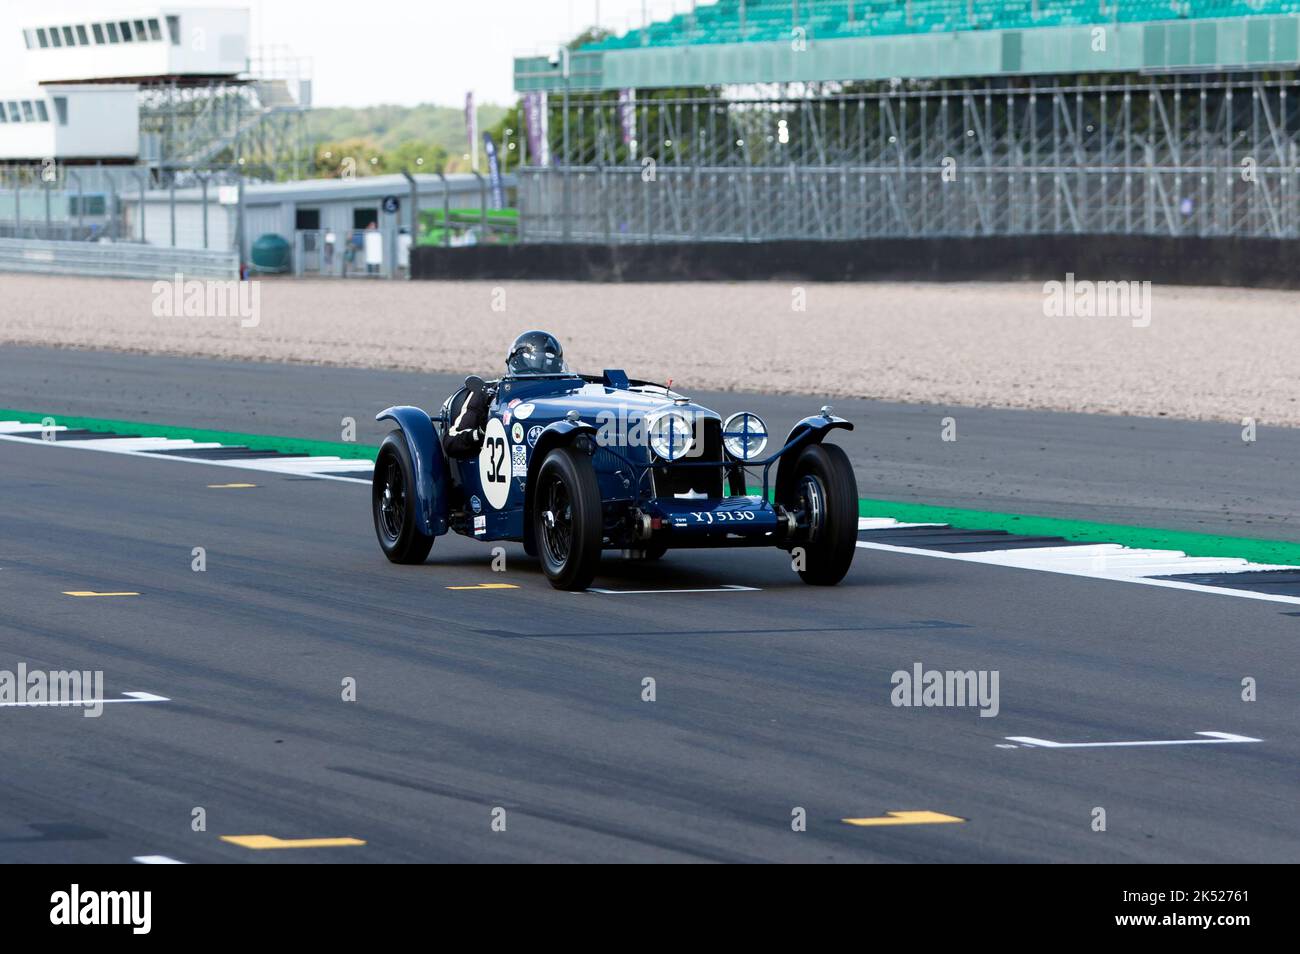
[[825, 497], [567, 520], [393, 500]]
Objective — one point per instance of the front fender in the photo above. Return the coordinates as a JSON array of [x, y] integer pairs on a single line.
[[430, 466], [554, 435], [811, 430]]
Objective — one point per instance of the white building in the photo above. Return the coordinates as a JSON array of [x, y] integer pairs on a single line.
[[156, 43], [70, 123], [304, 213], [82, 103]]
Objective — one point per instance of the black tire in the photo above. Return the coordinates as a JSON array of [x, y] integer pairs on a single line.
[[826, 492], [393, 502], [567, 520]]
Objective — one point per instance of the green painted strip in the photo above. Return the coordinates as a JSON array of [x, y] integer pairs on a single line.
[[285, 445], [1193, 544]]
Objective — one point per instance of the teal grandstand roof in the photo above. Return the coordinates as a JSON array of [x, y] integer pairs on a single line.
[[755, 21], [774, 41]]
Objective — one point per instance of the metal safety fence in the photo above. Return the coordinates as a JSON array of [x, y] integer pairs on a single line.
[[114, 260], [117, 203], [1150, 155]]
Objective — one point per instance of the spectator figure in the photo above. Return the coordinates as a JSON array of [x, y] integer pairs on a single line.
[[355, 249], [374, 241]]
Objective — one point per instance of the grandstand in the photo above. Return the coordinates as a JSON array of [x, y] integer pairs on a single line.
[[756, 21], [845, 119]]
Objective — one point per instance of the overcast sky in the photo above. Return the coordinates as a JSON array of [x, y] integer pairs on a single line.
[[379, 51]]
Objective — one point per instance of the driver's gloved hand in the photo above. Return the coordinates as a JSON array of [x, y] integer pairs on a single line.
[[468, 421]]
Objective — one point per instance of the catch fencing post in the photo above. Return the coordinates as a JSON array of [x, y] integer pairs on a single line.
[[240, 237], [203, 183], [81, 203], [415, 221], [142, 179], [567, 224], [446, 212], [482, 202], [113, 210]]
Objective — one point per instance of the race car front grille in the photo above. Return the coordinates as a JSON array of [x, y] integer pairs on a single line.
[[690, 478]]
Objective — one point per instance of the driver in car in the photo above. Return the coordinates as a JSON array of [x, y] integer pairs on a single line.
[[533, 352]]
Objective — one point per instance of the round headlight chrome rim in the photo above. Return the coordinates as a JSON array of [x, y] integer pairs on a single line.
[[671, 435], [744, 435]]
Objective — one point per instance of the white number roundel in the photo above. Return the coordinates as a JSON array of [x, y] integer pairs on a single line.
[[494, 465]]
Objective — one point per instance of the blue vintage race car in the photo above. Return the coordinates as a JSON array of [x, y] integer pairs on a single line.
[[573, 464]]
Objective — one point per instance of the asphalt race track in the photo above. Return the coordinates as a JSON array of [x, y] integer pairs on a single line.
[[770, 696]]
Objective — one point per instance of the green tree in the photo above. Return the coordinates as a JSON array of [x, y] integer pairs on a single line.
[[417, 156], [357, 156]]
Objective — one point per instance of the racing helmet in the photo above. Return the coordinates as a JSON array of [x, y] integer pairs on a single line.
[[536, 352]]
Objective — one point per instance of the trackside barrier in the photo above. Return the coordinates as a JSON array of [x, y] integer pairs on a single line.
[[1240, 262], [114, 260]]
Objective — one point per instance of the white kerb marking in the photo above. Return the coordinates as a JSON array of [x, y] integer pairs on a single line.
[[305, 467], [1213, 739], [1086, 568]]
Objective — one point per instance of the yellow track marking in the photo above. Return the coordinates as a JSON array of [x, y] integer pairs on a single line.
[[904, 818], [93, 593], [486, 586], [260, 842]]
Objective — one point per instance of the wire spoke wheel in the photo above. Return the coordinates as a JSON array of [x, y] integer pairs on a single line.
[[395, 502], [568, 519], [392, 507], [823, 497], [557, 521], [812, 505]]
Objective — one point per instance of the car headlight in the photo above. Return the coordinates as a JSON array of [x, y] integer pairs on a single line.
[[744, 435], [671, 435]]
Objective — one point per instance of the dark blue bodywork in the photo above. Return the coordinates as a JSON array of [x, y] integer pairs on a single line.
[[692, 502], [430, 466]]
